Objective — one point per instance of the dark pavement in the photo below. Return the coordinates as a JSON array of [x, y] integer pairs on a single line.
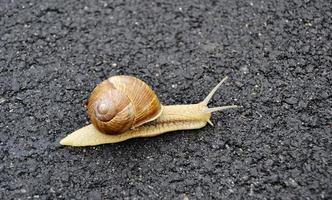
[[279, 60]]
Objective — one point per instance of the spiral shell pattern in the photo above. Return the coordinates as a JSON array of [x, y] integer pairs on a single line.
[[122, 102]]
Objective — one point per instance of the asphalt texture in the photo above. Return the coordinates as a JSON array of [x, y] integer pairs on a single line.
[[279, 60]]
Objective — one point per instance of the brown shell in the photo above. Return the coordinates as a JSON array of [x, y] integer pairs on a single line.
[[122, 102]]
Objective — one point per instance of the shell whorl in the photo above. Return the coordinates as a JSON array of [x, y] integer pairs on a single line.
[[122, 102]]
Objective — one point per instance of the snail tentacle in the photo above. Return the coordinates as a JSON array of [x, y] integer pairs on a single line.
[[213, 91], [221, 108]]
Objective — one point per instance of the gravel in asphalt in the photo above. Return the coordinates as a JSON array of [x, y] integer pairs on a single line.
[[278, 57]]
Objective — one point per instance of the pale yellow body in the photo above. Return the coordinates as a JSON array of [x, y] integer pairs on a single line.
[[173, 118]]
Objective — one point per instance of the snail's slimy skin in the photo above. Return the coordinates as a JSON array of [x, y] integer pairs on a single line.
[[173, 118]]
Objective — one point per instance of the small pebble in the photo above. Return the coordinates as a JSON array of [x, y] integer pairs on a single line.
[[2, 100], [244, 69], [291, 100]]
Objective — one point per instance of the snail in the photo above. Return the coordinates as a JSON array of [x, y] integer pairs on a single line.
[[125, 107]]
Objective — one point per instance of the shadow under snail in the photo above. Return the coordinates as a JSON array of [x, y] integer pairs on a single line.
[[125, 107]]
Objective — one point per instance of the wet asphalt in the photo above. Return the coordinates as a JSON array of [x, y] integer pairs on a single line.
[[278, 57]]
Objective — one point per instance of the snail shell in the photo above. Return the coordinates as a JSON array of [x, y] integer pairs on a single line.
[[120, 103]]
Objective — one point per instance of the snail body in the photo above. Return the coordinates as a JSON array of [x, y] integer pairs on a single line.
[[151, 122]]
